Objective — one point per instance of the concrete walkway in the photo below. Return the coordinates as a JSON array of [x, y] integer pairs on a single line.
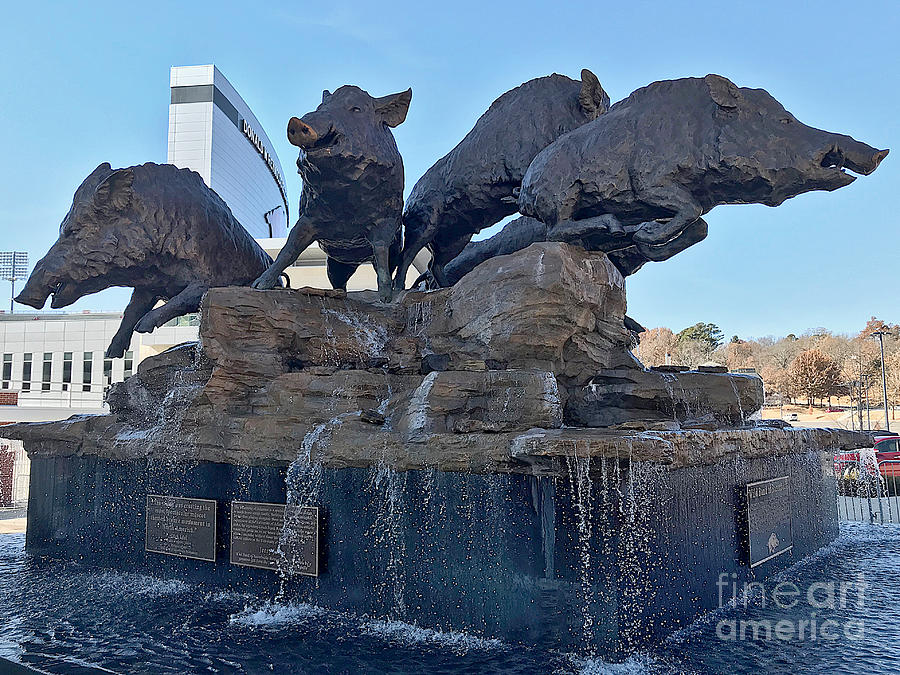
[[12, 525]]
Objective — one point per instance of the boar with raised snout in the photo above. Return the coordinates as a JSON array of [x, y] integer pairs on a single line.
[[352, 199], [153, 227], [472, 187], [669, 153]]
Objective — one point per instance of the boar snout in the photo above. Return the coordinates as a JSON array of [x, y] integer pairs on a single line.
[[864, 161], [33, 296], [849, 153], [38, 288], [301, 134]]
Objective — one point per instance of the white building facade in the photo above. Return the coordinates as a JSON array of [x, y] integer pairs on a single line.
[[213, 132], [53, 366]]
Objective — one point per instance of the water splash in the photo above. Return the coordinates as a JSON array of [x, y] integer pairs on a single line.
[[273, 614], [638, 664], [410, 634]]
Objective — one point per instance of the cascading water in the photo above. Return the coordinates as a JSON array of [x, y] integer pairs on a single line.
[[643, 480], [304, 479], [579, 474], [737, 397], [387, 532], [669, 379], [304, 476], [369, 337]]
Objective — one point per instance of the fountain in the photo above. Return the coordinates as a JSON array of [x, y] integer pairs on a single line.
[[483, 497], [487, 457]]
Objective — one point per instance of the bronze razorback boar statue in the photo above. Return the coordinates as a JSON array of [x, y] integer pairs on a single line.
[[154, 227], [471, 187], [352, 199], [669, 153]]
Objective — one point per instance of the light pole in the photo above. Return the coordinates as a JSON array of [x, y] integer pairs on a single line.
[[859, 384], [13, 266], [880, 335], [868, 416]]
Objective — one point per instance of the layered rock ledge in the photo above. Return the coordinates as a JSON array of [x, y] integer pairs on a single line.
[[522, 363]]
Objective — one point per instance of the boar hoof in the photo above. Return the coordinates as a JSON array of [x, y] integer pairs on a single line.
[[116, 350], [265, 282]]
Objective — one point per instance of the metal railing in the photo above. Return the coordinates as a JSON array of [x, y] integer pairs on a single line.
[[870, 498]]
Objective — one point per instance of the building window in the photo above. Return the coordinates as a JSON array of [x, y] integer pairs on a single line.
[[87, 371], [45, 377], [7, 370], [26, 373], [107, 372], [67, 370], [129, 363]]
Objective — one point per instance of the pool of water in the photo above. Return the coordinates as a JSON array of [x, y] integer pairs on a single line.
[[836, 612]]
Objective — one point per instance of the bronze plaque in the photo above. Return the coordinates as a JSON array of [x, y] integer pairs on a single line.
[[275, 537], [181, 526], [769, 519]]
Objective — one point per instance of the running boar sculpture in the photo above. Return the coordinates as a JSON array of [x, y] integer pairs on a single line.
[[669, 153], [352, 199], [472, 187], [154, 227]]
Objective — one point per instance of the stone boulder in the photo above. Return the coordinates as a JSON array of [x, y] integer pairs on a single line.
[[622, 395]]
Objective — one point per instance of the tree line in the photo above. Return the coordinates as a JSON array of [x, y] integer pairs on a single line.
[[812, 367]]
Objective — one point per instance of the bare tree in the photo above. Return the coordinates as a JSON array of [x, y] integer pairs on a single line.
[[655, 344], [815, 375]]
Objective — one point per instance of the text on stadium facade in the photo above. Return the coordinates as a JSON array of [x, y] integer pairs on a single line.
[[254, 138]]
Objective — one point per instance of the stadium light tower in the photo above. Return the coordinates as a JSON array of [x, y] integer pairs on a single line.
[[13, 266]]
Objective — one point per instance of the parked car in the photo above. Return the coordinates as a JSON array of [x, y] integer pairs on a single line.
[[887, 454], [882, 460], [792, 417]]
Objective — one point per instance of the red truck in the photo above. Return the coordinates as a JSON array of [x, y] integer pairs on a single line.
[[883, 458]]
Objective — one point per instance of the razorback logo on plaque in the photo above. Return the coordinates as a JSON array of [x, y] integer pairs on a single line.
[[769, 526]]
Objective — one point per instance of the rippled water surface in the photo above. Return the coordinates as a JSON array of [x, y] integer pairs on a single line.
[[63, 617]]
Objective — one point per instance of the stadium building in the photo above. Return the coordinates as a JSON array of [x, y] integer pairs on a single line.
[[213, 132]]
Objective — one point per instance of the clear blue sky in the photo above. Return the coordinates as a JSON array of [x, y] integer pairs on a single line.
[[84, 83]]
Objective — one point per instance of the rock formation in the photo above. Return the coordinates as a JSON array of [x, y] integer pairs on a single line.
[[488, 375]]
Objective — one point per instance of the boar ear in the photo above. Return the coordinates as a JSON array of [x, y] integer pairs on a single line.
[[325, 95], [86, 189], [392, 109], [592, 99], [723, 91], [102, 169], [115, 191]]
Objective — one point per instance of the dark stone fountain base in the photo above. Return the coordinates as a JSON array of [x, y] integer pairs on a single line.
[[603, 558], [488, 457]]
